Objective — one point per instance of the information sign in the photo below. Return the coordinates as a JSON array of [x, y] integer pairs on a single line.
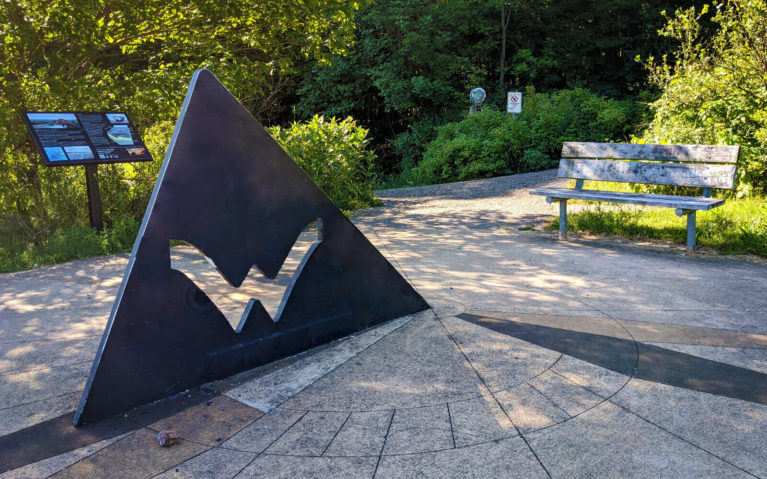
[[79, 138], [514, 102]]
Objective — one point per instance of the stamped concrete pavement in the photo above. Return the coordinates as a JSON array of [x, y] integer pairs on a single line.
[[539, 358]]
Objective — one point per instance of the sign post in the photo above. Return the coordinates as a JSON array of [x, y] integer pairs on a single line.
[[94, 197], [86, 138], [514, 103]]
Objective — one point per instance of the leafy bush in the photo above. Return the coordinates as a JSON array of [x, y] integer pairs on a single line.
[[491, 143], [122, 234], [74, 242], [576, 115], [409, 146], [713, 92], [479, 146], [334, 153]]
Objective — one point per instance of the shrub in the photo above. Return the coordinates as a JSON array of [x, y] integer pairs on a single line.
[[576, 115], [74, 242], [491, 143], [479, 146], [409, 146], [335, 155], [122, 234], [535, 160], [713, 92]]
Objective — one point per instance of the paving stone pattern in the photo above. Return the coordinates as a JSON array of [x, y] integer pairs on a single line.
[[533, 361]]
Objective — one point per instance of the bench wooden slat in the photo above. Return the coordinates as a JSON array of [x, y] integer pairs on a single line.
[[673, 174], [668, 201], [681, 153]]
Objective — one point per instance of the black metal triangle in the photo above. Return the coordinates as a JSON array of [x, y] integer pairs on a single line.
[[227, 188]]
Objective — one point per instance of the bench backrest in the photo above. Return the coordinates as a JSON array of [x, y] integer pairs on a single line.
[[701, 166]]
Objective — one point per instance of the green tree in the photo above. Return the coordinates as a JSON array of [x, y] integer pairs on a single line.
[[714, 90], [590, 44], [415, 61], [137, 57], [411, 70]]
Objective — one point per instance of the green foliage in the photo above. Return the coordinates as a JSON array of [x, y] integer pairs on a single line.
[[590, 43], [714, 90], [737, 227], [410, 71], [122, 234], [415, 61], [37, 200], [577, 115], [138, 57], [410, 144], [74, 242], [335, 155], [482, 145], [491, 143]]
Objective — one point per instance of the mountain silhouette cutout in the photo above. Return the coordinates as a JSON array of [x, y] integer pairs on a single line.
[[229, 190]]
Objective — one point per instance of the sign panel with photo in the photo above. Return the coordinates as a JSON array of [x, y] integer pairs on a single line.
[[78, 138]]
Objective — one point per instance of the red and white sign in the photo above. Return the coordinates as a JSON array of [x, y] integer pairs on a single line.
[[514, 102]]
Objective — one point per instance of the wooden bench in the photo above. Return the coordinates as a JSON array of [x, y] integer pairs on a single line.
[[698, 166]]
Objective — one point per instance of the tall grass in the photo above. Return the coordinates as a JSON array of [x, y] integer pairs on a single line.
[[737, 227], [75, 242]]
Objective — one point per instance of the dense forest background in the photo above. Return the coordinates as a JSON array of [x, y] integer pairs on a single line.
[[396, 75]]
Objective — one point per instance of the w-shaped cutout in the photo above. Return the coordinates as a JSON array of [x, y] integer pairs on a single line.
[[257, 290], [228, 189]]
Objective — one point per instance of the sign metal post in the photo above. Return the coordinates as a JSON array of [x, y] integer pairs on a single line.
[[94, 197]]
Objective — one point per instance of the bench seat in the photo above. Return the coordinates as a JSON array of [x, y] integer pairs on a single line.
[[668, 201]]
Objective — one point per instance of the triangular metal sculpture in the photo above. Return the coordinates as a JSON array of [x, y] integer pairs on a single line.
[[228, 189]]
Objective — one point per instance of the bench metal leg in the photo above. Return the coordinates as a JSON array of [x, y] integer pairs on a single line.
[[691, 230], [690, 226], [563, 219]]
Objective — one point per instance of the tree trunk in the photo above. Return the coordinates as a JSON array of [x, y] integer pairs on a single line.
[[505, 19]]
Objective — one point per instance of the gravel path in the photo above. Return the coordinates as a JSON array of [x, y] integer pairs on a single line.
[[492, 203]]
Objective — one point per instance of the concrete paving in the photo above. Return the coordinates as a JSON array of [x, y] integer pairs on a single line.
[[539, 358]]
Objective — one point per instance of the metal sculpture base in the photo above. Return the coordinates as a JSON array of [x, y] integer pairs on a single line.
[[228, 189]]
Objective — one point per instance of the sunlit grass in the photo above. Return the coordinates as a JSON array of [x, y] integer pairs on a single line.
[[76, 242], [737, 227]]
